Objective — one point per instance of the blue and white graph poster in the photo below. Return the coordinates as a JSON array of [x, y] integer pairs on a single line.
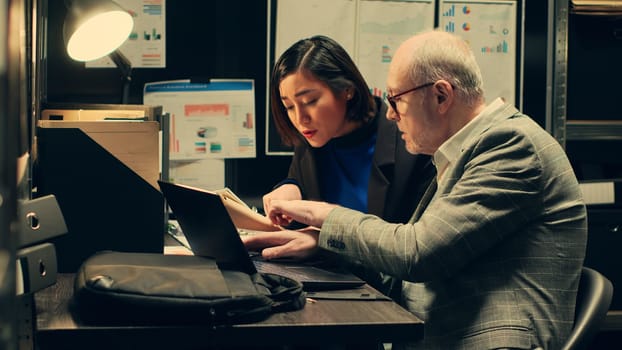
[[491, 28], [214, 120]]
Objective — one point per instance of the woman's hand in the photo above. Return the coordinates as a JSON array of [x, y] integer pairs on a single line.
[[307, 212], [283, 192]]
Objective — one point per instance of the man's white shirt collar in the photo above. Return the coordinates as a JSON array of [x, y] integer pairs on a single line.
[[449, 151]]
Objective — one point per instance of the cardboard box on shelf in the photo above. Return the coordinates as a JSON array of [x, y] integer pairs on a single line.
[[92, 112], [135, 144]]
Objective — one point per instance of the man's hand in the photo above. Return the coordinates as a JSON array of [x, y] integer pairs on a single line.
[[307, 212], [297, 245], [284, 192]]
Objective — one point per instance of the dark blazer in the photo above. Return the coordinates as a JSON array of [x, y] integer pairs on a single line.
[[397, 181]]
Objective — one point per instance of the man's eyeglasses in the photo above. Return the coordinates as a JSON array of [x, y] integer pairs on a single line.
[[391, 99]]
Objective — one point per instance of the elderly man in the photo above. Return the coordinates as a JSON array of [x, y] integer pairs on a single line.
[[492, 256]]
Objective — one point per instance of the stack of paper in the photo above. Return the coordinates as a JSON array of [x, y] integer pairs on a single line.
[[597, 7]]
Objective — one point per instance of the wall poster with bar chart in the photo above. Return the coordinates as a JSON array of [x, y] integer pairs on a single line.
[[491, 29], [209, 120]]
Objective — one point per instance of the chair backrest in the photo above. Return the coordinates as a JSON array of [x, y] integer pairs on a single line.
[[593, 300]]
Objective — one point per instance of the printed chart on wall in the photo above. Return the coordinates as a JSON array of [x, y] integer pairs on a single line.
[[208, 120], [333, 18], [146, 46], [296, 20], [491, 29], [382, 27]]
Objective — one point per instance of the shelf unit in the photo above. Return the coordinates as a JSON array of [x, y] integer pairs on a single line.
[[557, 122], [606, 131], [597, 130], [557, 69]]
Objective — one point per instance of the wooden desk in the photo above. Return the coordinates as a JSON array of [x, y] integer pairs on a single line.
[[320, 323]]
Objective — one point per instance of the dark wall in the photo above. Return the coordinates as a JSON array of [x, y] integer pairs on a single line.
[[534, 59], [594, 72], [227, 39]]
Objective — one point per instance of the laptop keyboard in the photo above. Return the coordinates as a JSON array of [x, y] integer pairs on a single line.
[[282, 270]]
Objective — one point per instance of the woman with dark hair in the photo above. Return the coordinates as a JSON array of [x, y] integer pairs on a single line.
[[346, 151]]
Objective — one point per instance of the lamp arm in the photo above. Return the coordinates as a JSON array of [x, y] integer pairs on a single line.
[[122, 62], [125, 67]]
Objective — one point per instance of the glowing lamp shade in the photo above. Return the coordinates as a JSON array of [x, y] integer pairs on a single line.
[[94, 29]]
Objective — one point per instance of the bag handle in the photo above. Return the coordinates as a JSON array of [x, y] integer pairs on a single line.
[[286, 293]]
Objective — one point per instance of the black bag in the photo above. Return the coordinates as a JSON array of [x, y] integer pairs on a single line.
[[118, 288]]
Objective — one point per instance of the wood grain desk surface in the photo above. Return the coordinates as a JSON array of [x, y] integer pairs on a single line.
[[320, 322]]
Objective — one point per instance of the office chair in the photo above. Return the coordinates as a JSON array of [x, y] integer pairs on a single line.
[[593, 299]]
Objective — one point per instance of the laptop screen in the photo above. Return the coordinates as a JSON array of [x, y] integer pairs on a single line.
[[207, 226]]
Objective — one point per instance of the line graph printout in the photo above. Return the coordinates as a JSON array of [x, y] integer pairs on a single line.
[[302, 19], [382, 27]]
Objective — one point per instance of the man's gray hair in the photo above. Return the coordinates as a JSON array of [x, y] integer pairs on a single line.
[[443, 56]]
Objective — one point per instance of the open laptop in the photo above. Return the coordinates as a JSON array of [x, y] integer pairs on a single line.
[[210, 232]]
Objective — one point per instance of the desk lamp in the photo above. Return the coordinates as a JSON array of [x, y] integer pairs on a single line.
[[96, 28]]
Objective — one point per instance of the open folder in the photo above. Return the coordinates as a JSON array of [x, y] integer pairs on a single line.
[[243, 216]]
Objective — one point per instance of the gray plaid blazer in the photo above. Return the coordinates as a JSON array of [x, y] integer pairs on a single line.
[[494, 260]]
